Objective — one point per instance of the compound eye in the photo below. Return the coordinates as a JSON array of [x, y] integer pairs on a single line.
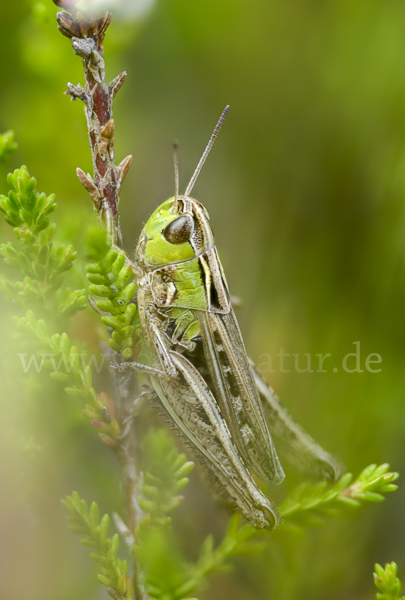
[[180, 230]]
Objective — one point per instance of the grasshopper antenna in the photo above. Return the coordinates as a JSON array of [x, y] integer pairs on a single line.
[[175, 207], [206, 152]]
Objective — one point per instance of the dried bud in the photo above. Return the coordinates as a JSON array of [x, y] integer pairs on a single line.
[[67, 25], [116, 83], [95, 27], [80, 27], [105, 415], [88, 183], [105, 140], [123, 169]]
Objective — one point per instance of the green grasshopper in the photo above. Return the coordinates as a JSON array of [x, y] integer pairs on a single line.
[[200, 370]]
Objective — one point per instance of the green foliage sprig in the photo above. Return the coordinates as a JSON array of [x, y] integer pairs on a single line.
[[387, 582], [87, 522], [112, 283], [67, 363], [238, 540], [7, 145], [165, 476], [43, 266], [165, 573], [310, 503], [40, 262]]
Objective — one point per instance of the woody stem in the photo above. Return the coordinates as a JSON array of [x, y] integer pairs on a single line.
[[87, 35]]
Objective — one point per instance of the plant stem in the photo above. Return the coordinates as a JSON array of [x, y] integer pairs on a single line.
[[125, 392], [87, 35]]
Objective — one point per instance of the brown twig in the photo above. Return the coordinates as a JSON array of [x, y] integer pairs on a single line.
[[87, 35], [125, 392]]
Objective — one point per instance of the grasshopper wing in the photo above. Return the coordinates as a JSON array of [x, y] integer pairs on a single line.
[[234, 388]]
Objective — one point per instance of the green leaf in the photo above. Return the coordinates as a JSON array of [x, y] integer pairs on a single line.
[[87, 523], [309, 504], [112, 286], [387, 582]]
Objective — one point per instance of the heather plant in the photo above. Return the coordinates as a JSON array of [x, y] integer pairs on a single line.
[[49, 283]]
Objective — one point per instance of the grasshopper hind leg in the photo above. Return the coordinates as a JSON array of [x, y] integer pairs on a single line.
[[263, 514], [214, 483], [191, 406]]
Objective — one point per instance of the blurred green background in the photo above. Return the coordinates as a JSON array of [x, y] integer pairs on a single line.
[[305, 187]]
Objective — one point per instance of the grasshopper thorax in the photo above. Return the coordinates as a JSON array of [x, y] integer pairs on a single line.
[[177, 231]]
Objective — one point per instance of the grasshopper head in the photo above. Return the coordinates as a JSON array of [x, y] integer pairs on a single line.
[[172, 236]]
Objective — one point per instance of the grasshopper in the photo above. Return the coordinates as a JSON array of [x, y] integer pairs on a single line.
[[200, 370]]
